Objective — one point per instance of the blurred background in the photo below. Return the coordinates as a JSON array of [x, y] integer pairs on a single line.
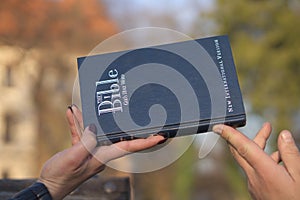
[[41, 39]]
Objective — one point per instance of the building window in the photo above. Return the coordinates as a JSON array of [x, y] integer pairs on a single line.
[[5, 174], [8, 79], [8, 123]]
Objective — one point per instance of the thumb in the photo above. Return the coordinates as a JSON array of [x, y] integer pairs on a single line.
[[289, 153]]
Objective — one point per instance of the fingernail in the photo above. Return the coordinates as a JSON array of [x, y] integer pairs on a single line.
[[218, 128], [70, 107], [93, 128], [286, 136], [74, 105]]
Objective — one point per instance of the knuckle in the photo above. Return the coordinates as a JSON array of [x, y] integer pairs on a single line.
[[292, 151], [127, 147], [227, 136], [243, 150]]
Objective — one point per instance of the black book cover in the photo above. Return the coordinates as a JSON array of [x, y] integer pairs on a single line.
[[174, 89]]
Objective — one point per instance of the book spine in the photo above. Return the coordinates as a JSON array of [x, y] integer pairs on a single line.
[[172, 131]]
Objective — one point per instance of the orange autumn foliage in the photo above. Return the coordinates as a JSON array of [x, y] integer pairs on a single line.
[[72, 24]]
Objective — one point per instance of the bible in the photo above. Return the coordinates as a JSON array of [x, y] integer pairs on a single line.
[[175, 89]]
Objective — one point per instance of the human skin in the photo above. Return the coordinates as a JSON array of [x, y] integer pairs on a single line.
[[69, 168], [270, 177]]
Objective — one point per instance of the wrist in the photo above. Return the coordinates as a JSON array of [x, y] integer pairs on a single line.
[[51, 189], [41, 191], [56, 190], [36, 191]]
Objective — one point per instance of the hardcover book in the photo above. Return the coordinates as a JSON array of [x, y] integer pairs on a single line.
[[173, 89]]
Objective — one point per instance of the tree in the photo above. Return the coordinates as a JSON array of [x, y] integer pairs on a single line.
[[265, 41], [55, 33], [71, 25]]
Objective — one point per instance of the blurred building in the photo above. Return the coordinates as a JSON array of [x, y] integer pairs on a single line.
[[18, 127], [39, 43]]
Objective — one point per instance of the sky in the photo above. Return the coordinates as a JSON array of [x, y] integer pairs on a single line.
[[135, 13]]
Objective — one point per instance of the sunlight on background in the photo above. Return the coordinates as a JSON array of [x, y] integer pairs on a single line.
[[41, 39]]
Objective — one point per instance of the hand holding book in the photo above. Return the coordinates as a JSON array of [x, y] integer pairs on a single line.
[[267, 177], [105, 154], [66, 170], [275, 176]]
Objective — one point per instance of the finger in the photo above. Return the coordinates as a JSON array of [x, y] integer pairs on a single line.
[[78, 116], [263, 135], [289, 153], [276, 156], [240, 160], [75, 137], [82, 150], [139, 144], [108, 153], [246, 148]]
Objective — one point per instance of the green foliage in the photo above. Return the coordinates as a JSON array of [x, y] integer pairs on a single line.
[[235, 179], [184, 177], [266, 46]]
